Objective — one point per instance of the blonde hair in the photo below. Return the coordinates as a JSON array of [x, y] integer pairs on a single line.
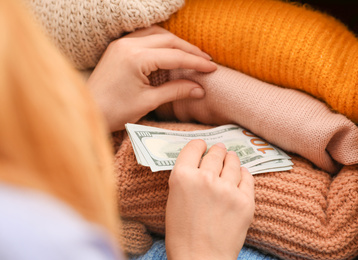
[[52, 138]]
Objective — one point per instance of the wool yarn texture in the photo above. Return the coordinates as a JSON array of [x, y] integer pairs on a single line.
[[302, 213], [287, 118], [277, 42], [134, 237], [82, 29]]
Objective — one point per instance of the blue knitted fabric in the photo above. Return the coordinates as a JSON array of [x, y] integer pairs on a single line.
[[157, 252]]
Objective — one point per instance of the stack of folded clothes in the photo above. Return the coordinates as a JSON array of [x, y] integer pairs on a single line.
[[290, 75], [287, 73]]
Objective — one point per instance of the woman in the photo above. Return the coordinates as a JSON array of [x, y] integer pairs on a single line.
[[56, 184]]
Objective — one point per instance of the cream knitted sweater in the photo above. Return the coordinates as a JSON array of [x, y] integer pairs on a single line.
[[83, 29]]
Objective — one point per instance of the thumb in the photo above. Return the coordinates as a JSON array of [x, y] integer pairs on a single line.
[[178, 89]]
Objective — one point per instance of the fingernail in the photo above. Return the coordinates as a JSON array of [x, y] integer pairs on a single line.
[[221, 145], [213, 63], [232, 152], [197, 93], [207, 56]]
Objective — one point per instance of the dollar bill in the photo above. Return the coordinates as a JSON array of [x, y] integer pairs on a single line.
[[158, 148]]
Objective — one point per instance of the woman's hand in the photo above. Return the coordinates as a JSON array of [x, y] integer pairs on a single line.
[[210, 205], [119, 82]]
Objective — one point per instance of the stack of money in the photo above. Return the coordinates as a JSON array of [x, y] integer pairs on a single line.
[[158, 148]]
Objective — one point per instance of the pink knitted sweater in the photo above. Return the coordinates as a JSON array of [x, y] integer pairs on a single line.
[[290, 119]]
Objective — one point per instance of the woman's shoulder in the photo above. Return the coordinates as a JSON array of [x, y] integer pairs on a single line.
[[34, 225]]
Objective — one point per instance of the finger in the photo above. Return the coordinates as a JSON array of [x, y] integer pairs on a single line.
[[158, 37], [170, 41], [191, 154], [232, 170], [168, 59], [213, 161], [174, 90], [155, 29], [247, 182]]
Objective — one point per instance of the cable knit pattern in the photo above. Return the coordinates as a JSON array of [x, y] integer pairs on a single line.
[[278, 42], [83, 29], [290, 119], [303, 213]]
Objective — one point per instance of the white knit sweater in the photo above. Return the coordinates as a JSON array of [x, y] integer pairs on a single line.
[[82, 29]]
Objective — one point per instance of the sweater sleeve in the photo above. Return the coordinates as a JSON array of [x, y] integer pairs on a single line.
[[34, 225], [82, 29]]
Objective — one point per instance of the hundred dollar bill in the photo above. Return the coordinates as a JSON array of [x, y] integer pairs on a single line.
[[158, 148], [272, 166]]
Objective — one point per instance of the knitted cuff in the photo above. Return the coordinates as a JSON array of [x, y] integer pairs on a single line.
[[83, 29], [300, 214], [278, 42], [290, 119]]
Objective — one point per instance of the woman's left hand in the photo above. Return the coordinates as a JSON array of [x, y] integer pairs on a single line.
[[119, 82]]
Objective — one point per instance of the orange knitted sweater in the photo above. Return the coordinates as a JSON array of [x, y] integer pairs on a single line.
[[278, 42]]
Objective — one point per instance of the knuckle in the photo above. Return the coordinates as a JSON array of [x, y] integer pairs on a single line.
[[233, 168], [248, 204], [181, 175], [180, 57], [207, 177], [126, 46], [227, 192], [198, 145], [171, 39], [181, 170], [250, 178], [196, 48], [216, 151], [176, 175], [134, 54], [180, 93], [245, 202], [119, 44]]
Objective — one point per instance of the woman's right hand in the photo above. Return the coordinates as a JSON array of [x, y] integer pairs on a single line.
[[210, 206]]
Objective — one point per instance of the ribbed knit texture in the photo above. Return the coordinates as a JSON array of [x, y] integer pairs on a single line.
[[134, 237], [275, 41], [82, 29], [158, 252], [279, 43], [300, 214], [288, 118]]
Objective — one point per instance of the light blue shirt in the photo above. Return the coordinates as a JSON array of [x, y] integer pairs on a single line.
[[37, 226]]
